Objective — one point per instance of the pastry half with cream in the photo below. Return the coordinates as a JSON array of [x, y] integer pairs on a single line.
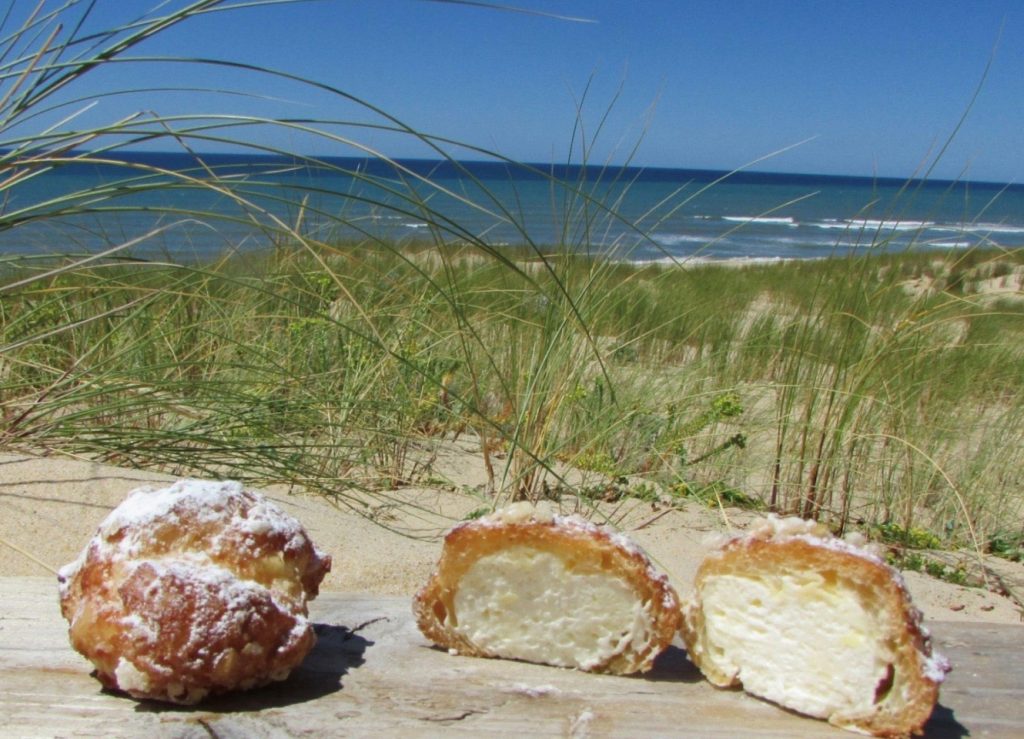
[[819, 625], [525, 584]]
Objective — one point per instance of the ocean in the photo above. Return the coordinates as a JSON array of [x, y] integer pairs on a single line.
[[636, 214]]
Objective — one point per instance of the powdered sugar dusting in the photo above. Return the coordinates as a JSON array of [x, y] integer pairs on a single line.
[[140, 628], [130, 678], [133, 525], [222, 601], [935, 667], [841, 545], [145, 505], [772, 527], [67, 573], [522, 512], [229, 590]]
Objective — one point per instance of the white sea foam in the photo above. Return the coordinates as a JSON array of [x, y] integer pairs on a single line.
[[830, 223], [871, 224], [895, 225], [672, 239], [800, 241], [992, 228], [769, 221], [730, 261]]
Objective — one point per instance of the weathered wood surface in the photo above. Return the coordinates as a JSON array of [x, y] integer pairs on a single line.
[[373, 674]]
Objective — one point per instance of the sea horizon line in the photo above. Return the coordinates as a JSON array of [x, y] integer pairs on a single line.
[[491, 169]]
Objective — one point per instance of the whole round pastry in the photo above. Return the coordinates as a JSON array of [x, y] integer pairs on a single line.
[[196, 589], [817, 624], [524, 583]]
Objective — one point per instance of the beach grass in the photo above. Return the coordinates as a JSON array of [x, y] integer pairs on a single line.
[[840, 389], [875, 390]]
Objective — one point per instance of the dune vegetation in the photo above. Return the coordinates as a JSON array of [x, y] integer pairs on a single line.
[[878, 391]]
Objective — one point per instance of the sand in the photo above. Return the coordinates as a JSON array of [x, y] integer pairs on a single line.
[[51, 506]]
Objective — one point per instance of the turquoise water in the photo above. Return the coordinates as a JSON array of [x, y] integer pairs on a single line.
[[640, 215]]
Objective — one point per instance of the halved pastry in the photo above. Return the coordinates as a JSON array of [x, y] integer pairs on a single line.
[[525, 584], [816, 624]]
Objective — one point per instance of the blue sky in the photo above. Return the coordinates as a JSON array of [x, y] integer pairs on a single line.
[[877, 87]]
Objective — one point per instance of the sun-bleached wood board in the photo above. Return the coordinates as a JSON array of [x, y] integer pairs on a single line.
[[372, 673]]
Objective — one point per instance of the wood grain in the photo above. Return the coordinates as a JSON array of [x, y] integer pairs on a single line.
[[372, 673]]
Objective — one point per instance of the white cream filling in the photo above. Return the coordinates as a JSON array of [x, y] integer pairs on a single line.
[[523, 603], [795, 640]]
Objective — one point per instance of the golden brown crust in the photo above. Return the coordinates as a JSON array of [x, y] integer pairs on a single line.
[[904, 703], [583, 547], [197, 589]]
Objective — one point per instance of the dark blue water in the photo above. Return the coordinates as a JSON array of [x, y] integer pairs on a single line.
[[167, 205]]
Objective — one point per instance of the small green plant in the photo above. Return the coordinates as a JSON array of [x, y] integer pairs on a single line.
[[916, 562], [907, 552], [1007, 546], [910, 538], [609, 491], [598, 461], [717, 494], [940, 571], [645, 491]]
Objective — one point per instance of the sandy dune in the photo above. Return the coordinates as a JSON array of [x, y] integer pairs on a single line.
[[50, 507]]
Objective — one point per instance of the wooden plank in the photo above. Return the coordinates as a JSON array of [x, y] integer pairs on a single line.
[[372, 673]]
